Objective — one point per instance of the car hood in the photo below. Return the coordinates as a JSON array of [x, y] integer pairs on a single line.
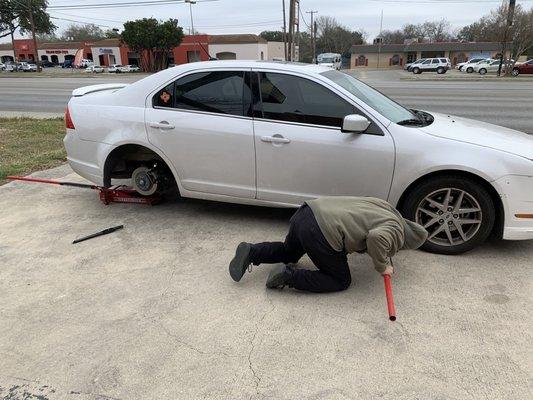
[[481, 134]]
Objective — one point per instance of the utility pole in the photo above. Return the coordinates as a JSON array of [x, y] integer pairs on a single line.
[[292, 18], [37, 62], [285, 32], [380, 39], [313, 34], [508, 24], [191, 2], [298, 33]]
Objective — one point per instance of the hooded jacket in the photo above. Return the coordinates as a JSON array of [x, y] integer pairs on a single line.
[[359, 224]]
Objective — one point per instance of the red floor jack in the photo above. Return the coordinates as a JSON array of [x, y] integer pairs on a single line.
[[114, 194]]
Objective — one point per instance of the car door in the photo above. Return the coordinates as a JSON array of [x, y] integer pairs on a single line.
[[528, 67], [201, 123], [301, 152], [426, 65]]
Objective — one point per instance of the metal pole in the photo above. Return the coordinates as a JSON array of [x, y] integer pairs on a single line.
[[508, 24], [37, 62], [313, 33], [191, 2], [380, 39], [284, 31], [298, 32], [292, 9]]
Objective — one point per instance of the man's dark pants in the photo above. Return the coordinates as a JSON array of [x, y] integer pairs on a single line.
[[304, 237]]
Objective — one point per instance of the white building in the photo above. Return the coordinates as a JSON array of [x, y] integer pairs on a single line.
[[238, 47]]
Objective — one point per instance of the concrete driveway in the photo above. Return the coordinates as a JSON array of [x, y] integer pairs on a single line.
[[150, 312]]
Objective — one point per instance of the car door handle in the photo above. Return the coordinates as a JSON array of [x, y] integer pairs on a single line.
[[163, 125], [275, 139]]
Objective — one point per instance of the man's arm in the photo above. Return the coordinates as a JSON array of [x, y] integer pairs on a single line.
[[381, 244]]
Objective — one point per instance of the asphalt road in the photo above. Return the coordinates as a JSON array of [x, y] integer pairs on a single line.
[[507, 103], [150, 312]]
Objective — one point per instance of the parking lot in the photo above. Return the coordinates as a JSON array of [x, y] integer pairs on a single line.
[[151, 312]]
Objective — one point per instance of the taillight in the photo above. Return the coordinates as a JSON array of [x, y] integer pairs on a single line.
[[68, 120]]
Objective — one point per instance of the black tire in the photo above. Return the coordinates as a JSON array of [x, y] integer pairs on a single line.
[[469, 70], [416, 71], [515, 72], [441, 71], [482, 71], [478, 234]]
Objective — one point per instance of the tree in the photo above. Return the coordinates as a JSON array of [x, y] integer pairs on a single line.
[[83, 32], [491, 28], [333, 37], [272, 36], [15, 14], [111, 34], [433, 31], [153, 40]]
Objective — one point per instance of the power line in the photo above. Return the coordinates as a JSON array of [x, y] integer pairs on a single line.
[[128, 4]]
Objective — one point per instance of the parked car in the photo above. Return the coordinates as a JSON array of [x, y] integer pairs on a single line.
[[331, 60], [95, 69], [84, 63], [67, 64], [462, 66], [471, 68], [276, 134], [47, 64], [523, 68], [408, 66], [11, 67], [116, 68], [131, 68], [438, 65], [492, 66], [27, 67], [2, 67]]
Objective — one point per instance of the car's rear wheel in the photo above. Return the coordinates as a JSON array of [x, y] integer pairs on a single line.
[[457, 212], [416, 71], [441, 71], [470, 70], [482, 71], [515, 72]]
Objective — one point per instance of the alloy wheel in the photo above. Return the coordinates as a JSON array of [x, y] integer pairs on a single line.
[[451, 216]]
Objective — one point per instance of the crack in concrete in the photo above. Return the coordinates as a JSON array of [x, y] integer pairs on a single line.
[[257, 378]]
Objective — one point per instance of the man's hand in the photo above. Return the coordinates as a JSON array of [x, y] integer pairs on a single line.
[[388, 271]]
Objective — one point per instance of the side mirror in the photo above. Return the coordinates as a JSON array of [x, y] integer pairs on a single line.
[[355, 123]]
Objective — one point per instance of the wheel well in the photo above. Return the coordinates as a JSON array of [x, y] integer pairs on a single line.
[[497, 230], [123, 160]]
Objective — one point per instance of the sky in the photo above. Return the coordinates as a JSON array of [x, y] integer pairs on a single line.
[[254, 16]]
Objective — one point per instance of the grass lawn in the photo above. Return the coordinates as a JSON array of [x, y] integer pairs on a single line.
[[28, 145]]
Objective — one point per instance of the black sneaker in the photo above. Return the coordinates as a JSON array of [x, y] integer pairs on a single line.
[[279, 277], [241, 261]]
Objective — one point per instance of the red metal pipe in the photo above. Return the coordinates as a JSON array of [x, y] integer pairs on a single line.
[[390, 298]]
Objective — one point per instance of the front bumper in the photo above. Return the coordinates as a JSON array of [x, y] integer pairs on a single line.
[[516, 193]]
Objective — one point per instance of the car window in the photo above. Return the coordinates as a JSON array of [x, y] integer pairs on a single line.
[[530, 62], [427, 62], [443, 60], [382, 104], [218, 92], [295, 99], [165, 97], [434, 61]]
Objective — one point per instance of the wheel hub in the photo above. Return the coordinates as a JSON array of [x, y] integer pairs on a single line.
[[451, 216], [144, 181]]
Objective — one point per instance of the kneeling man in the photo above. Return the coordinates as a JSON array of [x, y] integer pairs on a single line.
[[327, 229]]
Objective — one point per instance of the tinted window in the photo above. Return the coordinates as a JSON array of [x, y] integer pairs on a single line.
[[443, 60], [434, 61], [427, 62], [295, 99], [218, 92]]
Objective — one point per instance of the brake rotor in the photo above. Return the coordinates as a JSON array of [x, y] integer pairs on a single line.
[[144, 181]]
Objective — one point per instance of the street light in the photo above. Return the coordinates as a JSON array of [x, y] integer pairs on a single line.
[[191, 2]]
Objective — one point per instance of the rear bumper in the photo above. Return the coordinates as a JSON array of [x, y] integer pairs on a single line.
[[516, 193], [85, 157]]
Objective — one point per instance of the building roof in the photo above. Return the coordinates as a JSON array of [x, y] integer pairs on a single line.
[[434, 46], [106, 43], [236, 39], [60, 45]]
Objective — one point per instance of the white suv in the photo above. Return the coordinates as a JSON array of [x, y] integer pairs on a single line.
[[439, 65]]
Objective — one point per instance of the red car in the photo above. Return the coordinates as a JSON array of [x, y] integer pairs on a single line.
[[523, 68]]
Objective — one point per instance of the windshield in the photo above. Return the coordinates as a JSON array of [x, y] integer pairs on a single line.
[[327, 60], [379, 102]]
